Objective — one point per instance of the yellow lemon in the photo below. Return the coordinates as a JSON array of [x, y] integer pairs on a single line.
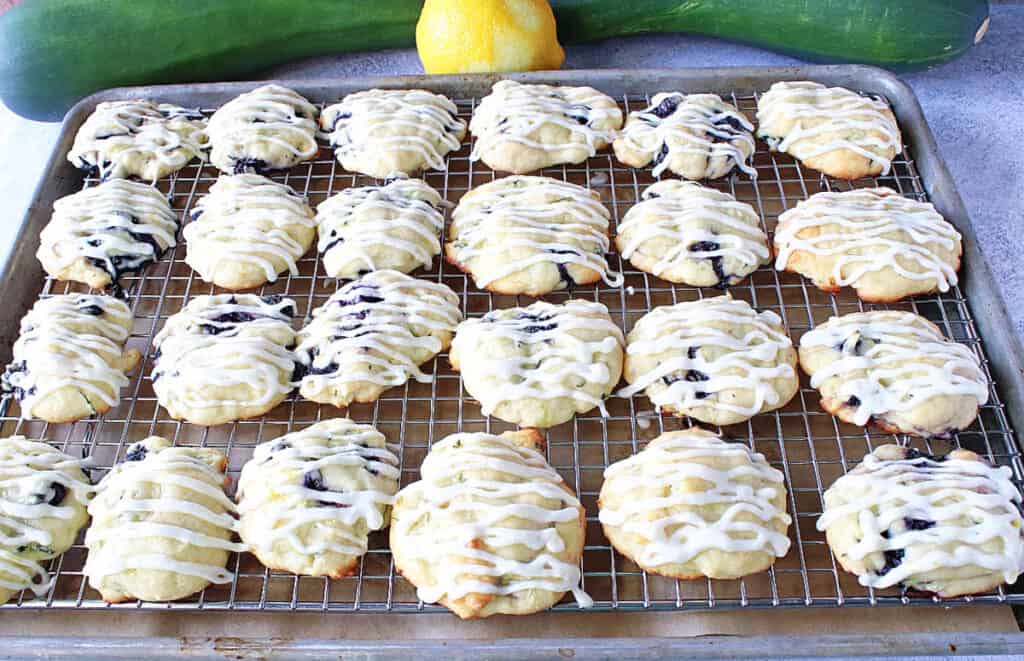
[[471, 36]]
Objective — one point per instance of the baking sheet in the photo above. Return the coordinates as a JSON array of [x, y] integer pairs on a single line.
[[811, 447]]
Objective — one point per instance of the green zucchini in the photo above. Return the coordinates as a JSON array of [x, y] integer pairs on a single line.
[[903, 35], [53, 52]]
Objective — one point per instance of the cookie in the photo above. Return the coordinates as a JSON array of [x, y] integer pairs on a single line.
[[161, 524], [247, 231], [882, 244], [224, 358], [43, 496], [949, 525], [538, 366], [98, 234], [69, 362], [373, 334], [139, 139], [717, 360], [830, 129], [391, 133], [531, 235], [685, 233], [490, 528], [396, 226], [894, 370], [691, 505], [522, 128], [697, 136], [309, 499], [269, 128]]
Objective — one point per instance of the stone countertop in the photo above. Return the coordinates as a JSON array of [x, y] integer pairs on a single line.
[[974, 106]]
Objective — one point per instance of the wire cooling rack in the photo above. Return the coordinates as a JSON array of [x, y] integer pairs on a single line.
[[811, 447]]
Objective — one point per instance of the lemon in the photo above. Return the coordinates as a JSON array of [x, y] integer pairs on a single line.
[[472, 36]]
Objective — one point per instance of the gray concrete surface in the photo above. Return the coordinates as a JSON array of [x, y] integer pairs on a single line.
[[975, 106]]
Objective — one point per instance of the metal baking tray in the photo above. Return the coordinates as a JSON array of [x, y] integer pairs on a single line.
[[811, 447]]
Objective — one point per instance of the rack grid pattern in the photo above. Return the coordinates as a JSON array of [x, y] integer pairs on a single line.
[[811, 447]]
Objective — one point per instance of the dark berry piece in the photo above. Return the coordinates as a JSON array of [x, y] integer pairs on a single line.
[[893, 559], [314, 480], [667, 106], [138, 451]]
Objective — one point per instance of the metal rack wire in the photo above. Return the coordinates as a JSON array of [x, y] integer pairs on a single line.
[[811, 447]]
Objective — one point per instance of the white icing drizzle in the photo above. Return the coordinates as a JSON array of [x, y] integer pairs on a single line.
[[674, 530], [684, 328], [680, 205], [513, 111], [485, 505], [816, 111], [700, 124], [27, 471], [247, 218], [967, 502], [549, 360], [373, 122], [338, 442], [868, 230], [549, 215], [120, 516], [270, 114], [115, 223], [357, 220], [130, 130], [905, 360], [227, 341], [70, 340], [365, 331]]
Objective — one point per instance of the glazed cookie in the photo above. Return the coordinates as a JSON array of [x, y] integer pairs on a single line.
[[161, 524], [389, 133], [884, 245], [691, 505], [522, 128], [490, 528], [247, 231], [831, 129], [717, 360], [269, 128], [309, 499], [948, 525], [43, 496], [538, 366], [697, 136], [139, 139], [225, 358], [396, 226], [69, 362], [102, 232], [531, 235], [373, 334], [895, 370], [685, 233]]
